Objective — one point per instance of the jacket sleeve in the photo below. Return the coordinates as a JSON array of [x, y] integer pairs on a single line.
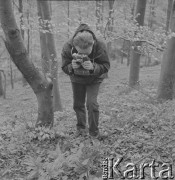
[[66, 59], [101, 62]]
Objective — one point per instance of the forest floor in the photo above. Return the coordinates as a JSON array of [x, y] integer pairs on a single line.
[[141, 130]]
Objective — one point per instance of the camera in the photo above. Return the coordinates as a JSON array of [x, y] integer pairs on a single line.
[[80, 58]]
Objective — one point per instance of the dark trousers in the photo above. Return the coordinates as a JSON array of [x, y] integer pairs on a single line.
[[88, 93]]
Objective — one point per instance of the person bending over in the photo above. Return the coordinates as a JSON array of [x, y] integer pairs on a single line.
[[85, 60]]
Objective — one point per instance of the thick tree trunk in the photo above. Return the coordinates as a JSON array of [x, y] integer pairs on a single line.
[[135, 54], [170, 4], [48, 48], [41, 86], [166, 89]]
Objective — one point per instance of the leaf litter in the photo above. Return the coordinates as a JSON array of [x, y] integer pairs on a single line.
[[140, 129]]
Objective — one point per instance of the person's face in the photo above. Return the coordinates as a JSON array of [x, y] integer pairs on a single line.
[[84, 51]]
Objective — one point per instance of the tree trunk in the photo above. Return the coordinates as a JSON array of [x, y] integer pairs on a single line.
[[110, 22], [68, 20], [43, 41], [28, 30], [1, 85], [11, 74], [152, 13], [21, 18], [22, 31], [133, 8], [170, 4], [135, 54], [41, 86], [50, 51], [99, 15], [79, 12], [1, 81], [111, 15], [166, 89]]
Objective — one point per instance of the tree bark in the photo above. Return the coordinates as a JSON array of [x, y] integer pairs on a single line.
[[43, 41], [99, 15], [22, 31], [135, 54], [152, 13], [110, 23], [170, 3], [68, 16], [11, 73], [166, 88], [1, 85], [41, 85], [48, 49]]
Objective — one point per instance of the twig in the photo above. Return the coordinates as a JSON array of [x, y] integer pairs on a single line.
[[144, 41]]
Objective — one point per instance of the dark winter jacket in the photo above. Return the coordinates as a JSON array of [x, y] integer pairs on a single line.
[[98, 56]]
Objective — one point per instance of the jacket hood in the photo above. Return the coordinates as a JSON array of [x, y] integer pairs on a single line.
[[84, 27]]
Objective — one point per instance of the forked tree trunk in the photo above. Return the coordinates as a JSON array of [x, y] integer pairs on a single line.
[[166, 89], [41, 86], [50, 52], [170, 3], [135, 54]]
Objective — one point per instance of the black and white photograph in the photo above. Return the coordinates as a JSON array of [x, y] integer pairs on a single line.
[[87, 89]]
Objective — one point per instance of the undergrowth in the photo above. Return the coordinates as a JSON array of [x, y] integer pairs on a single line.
[[140, 129]]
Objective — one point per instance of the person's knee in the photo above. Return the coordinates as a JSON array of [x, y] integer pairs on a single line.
[[91, 104], [78, 106]]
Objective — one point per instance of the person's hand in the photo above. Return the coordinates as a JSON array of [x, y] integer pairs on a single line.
[[75, 65], [88, 65]]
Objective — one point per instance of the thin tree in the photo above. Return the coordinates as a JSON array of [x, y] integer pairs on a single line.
[[22, 29], [152, 13], [68, 16], [110, 22], [170, 4], [41, 85], [49, 51], [166, 88], [135, 54], [1, 85], [99, 15], [28, 29]]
